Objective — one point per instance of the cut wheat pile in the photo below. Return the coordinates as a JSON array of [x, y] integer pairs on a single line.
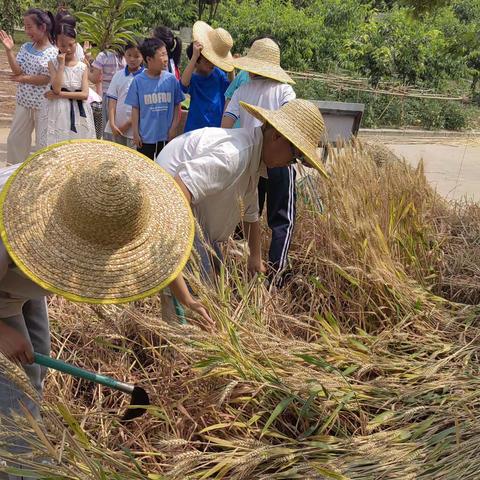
[[365, 366]]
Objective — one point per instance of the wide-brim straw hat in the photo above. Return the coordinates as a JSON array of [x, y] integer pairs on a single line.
[[300, 122], [263, 59], [96, 222], [217, 44]]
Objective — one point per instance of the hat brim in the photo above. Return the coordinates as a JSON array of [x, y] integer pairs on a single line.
[[264, 69], [200, 33], [61, 262], [283, 124]]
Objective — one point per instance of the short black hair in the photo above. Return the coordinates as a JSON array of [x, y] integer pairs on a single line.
[[149, 47], [134, 43]]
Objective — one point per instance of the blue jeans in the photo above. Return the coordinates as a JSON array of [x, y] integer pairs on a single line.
[[210, 262]]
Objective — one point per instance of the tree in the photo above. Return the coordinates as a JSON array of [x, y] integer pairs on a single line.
[[107, 27], [202, 4], [10, 15]]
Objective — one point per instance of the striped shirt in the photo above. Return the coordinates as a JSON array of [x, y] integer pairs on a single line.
[[109, 64]]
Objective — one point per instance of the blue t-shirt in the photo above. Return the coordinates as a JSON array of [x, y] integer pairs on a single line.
[[156, 99], [207, 99]]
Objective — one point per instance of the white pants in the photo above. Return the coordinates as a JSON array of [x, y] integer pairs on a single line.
[[19, 142]]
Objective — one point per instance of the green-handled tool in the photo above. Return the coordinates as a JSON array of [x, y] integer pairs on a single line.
[[139, 400]]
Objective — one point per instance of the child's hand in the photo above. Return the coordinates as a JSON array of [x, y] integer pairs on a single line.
[[206, 322], [115, 130], [86, 46], [51, 95], [172, 133], [14, 345], [6, 40], [18, 78], [124, 128], [197, 50], [61, 58], [137, 140]]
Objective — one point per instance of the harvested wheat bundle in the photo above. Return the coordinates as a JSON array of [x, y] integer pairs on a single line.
[[356, 369]]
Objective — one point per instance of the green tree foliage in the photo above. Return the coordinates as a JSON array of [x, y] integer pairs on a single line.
[[10, 14], [106, 25]]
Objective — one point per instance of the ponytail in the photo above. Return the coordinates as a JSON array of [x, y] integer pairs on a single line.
[[41, 18], [173, 44], [176, 52]]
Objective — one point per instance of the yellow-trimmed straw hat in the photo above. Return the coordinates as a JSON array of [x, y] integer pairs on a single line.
[[217, 44], [263, 59], [300, 122], [95, 222]]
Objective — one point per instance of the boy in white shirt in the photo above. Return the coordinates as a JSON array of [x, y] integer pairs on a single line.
[[119, 113], [268, 88], [218, 170]]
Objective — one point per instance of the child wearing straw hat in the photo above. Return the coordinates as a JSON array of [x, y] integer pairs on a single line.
[[218, 170], [204, 77], [91, 221], [268, 88]]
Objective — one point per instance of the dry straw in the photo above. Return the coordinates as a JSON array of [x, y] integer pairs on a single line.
[[278, 390]]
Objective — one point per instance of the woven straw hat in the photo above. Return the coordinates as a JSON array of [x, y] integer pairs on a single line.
[[96, 222], [217, 44], [300, 122], [263, 59]]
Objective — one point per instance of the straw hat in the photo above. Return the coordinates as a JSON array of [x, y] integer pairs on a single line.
[[95, 222], [300, 122], [263, 59], [217, 44]]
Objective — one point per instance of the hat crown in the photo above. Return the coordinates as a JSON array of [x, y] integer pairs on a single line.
[[103, 206], [266, 50], [307, 116], [221, 40]]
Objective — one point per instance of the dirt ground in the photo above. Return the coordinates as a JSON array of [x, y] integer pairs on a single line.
[[7, 91]]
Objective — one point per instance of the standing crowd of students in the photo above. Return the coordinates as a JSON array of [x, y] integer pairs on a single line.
[[142, 88]]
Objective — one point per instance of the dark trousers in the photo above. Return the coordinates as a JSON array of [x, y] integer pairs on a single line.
[[279, 191], [151, 150]]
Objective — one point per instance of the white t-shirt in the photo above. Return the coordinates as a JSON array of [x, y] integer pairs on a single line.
[[261, 92], [221, 168], [118, 90]]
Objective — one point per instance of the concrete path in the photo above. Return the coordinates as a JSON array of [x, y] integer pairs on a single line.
[[452, 164]]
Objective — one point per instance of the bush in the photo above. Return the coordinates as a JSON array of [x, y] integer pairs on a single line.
[[383, 111]]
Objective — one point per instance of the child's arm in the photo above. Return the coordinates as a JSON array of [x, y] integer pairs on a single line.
[[177, 115], [188, 72], [180, 291], [56, 74], [31, 79], [8, 43], [112, 108], [137, 140]]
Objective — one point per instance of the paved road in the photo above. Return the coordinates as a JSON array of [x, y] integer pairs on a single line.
[[452, 165]]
